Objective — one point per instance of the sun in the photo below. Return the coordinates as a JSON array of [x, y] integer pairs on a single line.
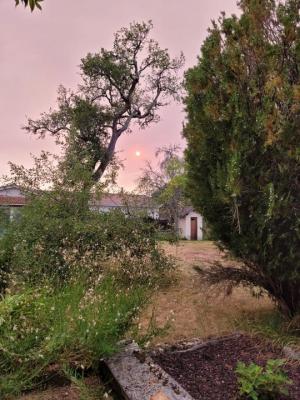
[[138, 153]]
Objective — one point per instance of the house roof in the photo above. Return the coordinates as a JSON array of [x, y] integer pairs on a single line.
[[122, 200], [10, 186], [109, 200], [12, 200]]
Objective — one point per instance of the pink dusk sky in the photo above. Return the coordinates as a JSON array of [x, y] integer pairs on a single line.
[[42, 50]]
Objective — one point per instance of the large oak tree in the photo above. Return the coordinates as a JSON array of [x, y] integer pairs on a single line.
[[120, 87]]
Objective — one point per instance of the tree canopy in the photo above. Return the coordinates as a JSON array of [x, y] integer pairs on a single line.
[[120, 87], [165, 183], [243, 134]]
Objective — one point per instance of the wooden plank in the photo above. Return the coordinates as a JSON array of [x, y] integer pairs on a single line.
[[139, 378]]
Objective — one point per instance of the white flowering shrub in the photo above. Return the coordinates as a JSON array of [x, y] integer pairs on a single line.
[[73, 326]]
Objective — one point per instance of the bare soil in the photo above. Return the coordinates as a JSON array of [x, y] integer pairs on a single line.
[[209, 372], [92, 389], [193, 309]]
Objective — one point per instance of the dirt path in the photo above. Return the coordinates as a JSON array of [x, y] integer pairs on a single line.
[[193, 309]]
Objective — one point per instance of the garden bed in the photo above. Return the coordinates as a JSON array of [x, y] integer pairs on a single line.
[[207, 370]]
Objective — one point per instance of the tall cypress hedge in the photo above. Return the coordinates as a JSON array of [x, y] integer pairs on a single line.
[[243, 154]]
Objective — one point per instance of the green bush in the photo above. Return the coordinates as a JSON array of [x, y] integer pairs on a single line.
[[243, 136], [74, 281], [57, 237], [73, 326], [4, 219], [258, 383], [167, 236]]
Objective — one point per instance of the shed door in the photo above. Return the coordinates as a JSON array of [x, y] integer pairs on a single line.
[[194, 228]]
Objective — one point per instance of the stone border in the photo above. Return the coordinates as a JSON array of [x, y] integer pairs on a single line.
[[194, 344], [137, 377]]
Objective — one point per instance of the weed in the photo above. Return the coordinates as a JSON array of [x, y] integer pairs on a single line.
[[258, 383], [270, 324]]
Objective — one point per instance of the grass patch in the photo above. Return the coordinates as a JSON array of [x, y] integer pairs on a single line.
[[272, 325]]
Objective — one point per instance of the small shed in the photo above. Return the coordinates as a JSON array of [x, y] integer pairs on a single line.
[[190, 224]]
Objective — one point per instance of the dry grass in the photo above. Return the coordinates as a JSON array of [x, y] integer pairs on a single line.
[[193, 309]]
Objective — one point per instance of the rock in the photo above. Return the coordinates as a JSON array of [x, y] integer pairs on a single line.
[[138, 377]]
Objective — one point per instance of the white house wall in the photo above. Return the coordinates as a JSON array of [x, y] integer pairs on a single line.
[[185, 226], [10, 191]]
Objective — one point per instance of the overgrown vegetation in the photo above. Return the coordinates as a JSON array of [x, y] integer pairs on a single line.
[[58, 237], [73, 282], [4, 219], [258, 383], [243, 145], [73, 326], [165, 184], [271, 324]]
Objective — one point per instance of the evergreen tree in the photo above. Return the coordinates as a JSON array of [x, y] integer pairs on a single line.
[[243, 154]]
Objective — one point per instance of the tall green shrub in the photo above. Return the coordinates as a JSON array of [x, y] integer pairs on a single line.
[[243, 134], [58, 237]]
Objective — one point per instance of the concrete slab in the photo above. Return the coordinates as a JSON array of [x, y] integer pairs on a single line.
[[138, 377]]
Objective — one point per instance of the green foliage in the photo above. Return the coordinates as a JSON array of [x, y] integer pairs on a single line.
[[86, 392], [166, 184], [74, 326], [243, 135], [58, 237], [4, 225], [73, 282], [167, 235], [258, 383], [271, 324], [4, 219], [31, 3]]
